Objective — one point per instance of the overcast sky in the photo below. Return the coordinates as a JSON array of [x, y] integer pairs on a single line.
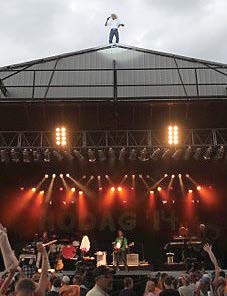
[[31, 29]]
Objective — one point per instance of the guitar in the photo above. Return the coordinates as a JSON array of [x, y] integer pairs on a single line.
[[117, 249]]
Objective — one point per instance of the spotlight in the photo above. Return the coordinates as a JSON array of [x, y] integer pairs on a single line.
[[187, 175], [220, 153], [57, 155], [188, 153], [26, 157], [60, 136], [197, 153], [102, 156], [61, 176], [132, 155], [173, 176], [46, 176], [36, 156], [81, 192], [179, 175], [111, 155], [61, 189], [22, 189], [15, 155], [99, 177], [144, 155], [208, 153], [54, 176], [173, 138], [159, 189], [73, 189], [122, 154], [199, 188], [190, 191], [33, 189], [152, 192], [78, 155], [133, 176], [41, 192], [91, 156], [119, 189], [67, 175], [4, 156], [100, 188], [46, 155], [166, 154], [177, 154], [166, 175], [164, 202], [156, 153], [112, 189]]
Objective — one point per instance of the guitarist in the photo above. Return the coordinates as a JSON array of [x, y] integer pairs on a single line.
[[120, 249]]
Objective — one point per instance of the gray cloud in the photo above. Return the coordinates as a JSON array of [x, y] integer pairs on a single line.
[[33, 29]]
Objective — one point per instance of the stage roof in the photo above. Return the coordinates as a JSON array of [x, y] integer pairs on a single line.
[[113, 73]]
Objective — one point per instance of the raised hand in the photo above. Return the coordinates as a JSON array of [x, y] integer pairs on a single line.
[[41, 248], [207, 248]]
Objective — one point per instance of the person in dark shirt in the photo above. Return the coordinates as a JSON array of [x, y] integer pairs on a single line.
[[168, 288], [55, 287], [128, 287]]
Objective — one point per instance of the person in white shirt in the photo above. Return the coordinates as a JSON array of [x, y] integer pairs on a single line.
[[114, 23]]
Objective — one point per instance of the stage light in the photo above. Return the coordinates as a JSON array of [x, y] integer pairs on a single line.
[[54, 176], [220, 153], [132, 155], [61, 176], [41, 192], [187, 175], [91, 156], [190, 191], [122, 154], [208, 153], [100, 188], [166, 175], [73, 189], [112, 189], [173, 176], [46, 176], [81, 192], [132, 188], [61, 189], [50, 203], [133, 176], [111, 154], [144, 155], [26, 157], [61, 137], [166, 154], [164, 202], [67, 175], [33, 189], [197, 153], [159, 189], [156, 153], [173, 134], [46, 155], [152, 192], [102, 156], [99, 177], [199, 188], [179, 175], [78, 155], [22, 189], [119, 189], [15, 155], [188, 153]]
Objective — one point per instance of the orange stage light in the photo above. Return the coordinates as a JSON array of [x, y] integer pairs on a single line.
[[190, 191], [159, 189], [119, 189], [81, 192], [73, 189], [112, 189], [33, 189], [199, 188]]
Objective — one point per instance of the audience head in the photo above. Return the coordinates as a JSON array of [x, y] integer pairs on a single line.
[[25, 287], [168, 283], [150, 286], [104, 277], [65, 280], [128, 283]]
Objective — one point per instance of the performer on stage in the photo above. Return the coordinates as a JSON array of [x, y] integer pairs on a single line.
[[120, 249], [113, 22]]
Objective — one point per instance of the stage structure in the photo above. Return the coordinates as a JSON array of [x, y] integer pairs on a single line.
[[141, 145], [115, 73]]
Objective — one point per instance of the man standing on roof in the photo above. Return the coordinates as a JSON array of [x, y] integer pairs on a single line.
[[114, 23]]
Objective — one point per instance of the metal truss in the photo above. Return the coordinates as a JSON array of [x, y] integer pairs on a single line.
[[113, 139]]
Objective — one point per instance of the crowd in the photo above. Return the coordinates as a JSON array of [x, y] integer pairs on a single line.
[[23, 282]]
